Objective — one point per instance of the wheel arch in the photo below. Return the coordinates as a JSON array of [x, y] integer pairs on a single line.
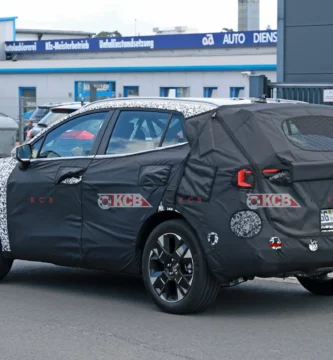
[[149, 225]]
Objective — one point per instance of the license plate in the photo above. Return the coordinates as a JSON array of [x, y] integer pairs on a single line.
[[326, 219]]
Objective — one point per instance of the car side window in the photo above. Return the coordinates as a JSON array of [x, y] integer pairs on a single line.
[[137, 131], [176, 131], [73, 138]]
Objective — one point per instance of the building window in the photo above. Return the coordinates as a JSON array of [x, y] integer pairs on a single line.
[[89, 91], [175, 91], [236, 92], [131, 91], [210, 92], [27, 96]]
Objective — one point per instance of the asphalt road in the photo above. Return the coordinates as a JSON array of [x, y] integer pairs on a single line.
[[49, 312]]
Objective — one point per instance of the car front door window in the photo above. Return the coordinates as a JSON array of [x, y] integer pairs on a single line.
[[73, 138]]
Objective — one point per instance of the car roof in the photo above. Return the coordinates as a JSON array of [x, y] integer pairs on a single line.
[[188, 106], [214, 101]]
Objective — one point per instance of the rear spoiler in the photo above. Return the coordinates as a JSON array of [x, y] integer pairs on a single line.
[[311, 170]]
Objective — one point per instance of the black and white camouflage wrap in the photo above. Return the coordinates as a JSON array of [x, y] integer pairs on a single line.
[[245, 224], [7, 165], [188, 108], [72, 181]]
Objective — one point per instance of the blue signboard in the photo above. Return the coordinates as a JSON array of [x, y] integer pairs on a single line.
[[147, 43]]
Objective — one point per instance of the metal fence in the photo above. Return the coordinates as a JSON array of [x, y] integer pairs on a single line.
[[314, 94]]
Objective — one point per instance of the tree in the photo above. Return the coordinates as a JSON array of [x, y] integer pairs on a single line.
[[115, 33], [227, 30]]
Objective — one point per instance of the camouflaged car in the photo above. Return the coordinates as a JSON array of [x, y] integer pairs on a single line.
[[194, 194]]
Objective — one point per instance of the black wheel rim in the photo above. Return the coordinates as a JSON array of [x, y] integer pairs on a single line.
[[171, 268]]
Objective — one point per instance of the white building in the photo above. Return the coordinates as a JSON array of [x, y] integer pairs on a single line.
[[40, 34], [67, 69]]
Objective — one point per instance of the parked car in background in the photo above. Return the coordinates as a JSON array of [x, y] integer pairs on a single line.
[[54, 113], [41, 111], [35, 116]]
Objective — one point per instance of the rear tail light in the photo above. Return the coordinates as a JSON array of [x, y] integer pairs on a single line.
[[242, 179], [245, 177], [270, 171]]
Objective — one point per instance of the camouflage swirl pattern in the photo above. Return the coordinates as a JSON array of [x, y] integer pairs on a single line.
[[7, 165]]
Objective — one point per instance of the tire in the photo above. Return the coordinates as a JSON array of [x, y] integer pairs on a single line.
[[196, 289], [5, 266], [317, 286]]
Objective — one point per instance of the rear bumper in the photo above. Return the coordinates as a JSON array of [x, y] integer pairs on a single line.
[[237, 258]]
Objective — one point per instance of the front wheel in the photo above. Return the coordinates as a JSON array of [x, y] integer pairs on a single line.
[[321, 285], [175, 271]]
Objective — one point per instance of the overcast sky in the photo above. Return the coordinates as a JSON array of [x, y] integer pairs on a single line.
[[110, 15]]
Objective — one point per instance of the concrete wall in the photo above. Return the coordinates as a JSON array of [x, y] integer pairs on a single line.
[[134, 60], [60, 87], [305, 49], [252, 54]]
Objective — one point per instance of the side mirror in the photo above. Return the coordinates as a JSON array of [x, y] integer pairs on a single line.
[[24, 154]]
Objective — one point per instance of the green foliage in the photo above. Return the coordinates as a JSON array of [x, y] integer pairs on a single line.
[[115, 33]]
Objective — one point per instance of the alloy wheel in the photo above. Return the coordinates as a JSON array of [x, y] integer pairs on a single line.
[[171, 267]]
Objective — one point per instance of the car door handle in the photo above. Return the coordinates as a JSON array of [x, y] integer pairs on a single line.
[[69, 175]]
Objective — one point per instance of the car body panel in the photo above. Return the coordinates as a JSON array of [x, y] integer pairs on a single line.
[[127, 181], [252, 138], [49, 214]]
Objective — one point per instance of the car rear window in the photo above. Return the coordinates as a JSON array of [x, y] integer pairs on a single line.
[[39, 113], [52, 117], [313, 133]]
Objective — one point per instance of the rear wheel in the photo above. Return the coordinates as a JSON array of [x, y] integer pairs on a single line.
[[175, 271], [320, 285], [5, 266]]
